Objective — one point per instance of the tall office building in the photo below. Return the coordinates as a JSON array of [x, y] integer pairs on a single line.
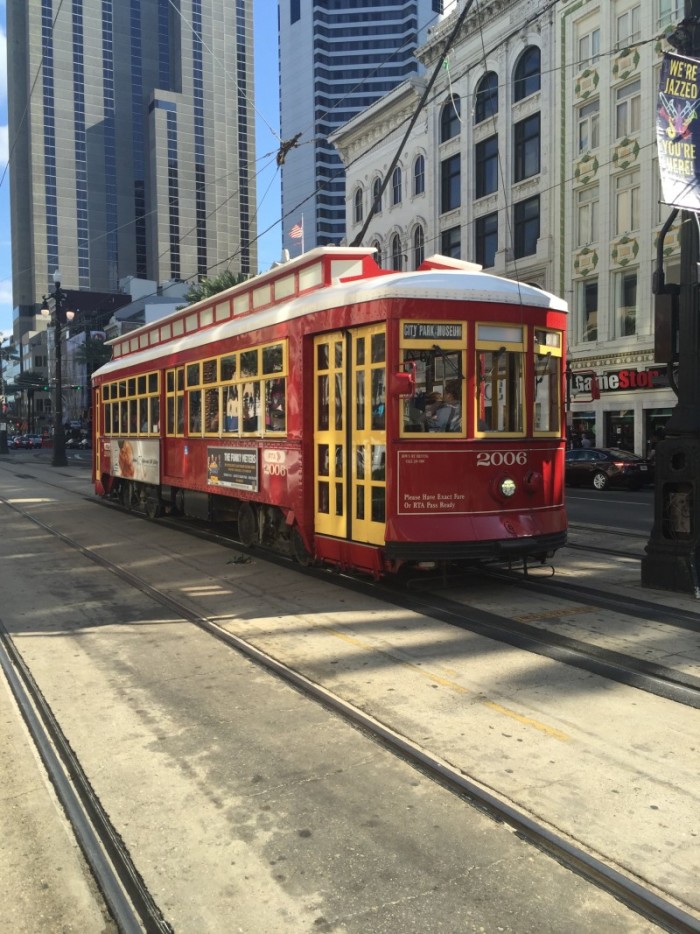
[[336, 58], [132, 142]]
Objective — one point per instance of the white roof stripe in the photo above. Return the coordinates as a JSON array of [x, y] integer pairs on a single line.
[[445, 285]]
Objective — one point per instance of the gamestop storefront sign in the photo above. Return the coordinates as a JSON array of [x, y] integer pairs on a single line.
[[622, 380]]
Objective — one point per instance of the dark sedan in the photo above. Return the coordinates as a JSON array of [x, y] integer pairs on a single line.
[[604, 467]]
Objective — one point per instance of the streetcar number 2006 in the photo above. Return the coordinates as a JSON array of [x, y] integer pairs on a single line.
[[500, 458]]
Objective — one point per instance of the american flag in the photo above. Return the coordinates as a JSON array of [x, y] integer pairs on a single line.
[[297, 232]]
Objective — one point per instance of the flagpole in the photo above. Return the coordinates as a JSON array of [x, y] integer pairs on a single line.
[[302, 233]]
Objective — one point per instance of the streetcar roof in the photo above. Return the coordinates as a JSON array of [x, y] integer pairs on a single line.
[[445, 284]]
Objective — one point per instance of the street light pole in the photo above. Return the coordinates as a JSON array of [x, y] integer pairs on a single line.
[[61, 316]]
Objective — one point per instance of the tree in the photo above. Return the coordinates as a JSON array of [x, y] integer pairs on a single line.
[[208, 287], [92, 354]]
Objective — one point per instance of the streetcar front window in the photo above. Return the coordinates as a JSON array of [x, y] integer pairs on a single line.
[[437, 403], [500, 391], [500, 355], [547, 381]]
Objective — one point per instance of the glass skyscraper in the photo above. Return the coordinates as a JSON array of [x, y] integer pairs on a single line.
[[336, 58], [132, 146]]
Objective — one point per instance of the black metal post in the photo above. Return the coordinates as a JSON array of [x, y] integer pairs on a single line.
[[3, 415], [672, 558], [59, 435]]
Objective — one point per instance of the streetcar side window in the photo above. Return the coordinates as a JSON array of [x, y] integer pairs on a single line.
[[500, 353], [130, 411], [547, 382], [241, 393], [175, 402]]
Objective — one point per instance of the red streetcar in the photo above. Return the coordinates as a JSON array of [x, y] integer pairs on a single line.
[[346, 414]]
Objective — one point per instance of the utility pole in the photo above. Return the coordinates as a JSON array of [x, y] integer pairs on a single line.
[[672, 559]]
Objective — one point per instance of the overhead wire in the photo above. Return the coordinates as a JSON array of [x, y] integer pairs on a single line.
[[342, 171]]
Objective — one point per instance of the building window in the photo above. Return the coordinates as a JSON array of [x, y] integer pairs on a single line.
[[526, 226], [396, 254], [626, 303], [358, 206], [378, 252], [588, 130], [527, 74], [418, 246], [628, 28], [419, 176], [487, 239], [486, 166], [587, 301], [589, 48], [486, 97], [627, 202], [450, 183], [396, 185], [449, 119], [587, 215], [628, 107], [294, 11], [377, 196], [670, 11], [451, 242], [526, 156]]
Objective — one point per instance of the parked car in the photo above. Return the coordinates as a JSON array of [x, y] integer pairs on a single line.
[[18, 441], [34, 441], [604, 467]]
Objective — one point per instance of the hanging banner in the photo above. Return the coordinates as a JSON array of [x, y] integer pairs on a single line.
[[678, 131]]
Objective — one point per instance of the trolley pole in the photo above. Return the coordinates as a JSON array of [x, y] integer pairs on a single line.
[[672, 559]]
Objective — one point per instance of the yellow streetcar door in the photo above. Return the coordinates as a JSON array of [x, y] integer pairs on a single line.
[[350, 434], [330, 419]]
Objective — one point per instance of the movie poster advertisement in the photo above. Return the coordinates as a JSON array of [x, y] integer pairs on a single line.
[[678, 131], [233, 467], [136, 459]]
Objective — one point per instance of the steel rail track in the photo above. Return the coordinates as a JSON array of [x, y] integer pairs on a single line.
[[624, 886], [126, 895]]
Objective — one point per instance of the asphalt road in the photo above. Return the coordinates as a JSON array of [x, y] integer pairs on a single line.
[[630, 510]]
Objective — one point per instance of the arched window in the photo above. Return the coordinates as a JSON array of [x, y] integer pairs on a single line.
[[357, 201], [419, 176], [418, 246], [449, 119], [526, 79], [486, 97], [376, 196], [378, 254], [396, 255], [396, 185]]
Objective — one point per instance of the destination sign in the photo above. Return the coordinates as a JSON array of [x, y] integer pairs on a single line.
[[431, 330]]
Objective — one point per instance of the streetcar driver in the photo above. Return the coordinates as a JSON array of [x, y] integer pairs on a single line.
[[445, 414]]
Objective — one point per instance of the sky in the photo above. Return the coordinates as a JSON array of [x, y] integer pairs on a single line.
[[267, 143]]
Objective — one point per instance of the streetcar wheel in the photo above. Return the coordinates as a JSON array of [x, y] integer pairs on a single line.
[[154, 508], [247, 525], [125, 494], [301, 555], [600, 480]]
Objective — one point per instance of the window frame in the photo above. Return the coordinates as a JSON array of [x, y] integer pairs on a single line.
[[485, 96], [521, 224], [451, 183], [527, 134], [450, 119], [527, 74], [486, 166]]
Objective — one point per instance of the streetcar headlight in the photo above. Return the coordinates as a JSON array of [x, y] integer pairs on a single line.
[[507, 487]]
